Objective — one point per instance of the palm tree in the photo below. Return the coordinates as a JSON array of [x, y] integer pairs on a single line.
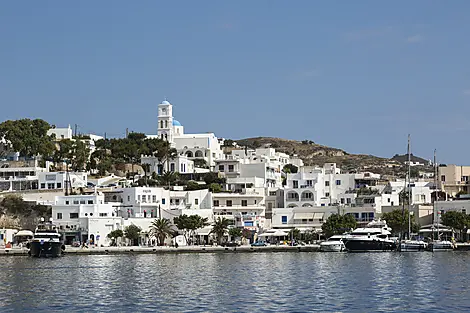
[[161, 228], [219, 228], [168, 178]]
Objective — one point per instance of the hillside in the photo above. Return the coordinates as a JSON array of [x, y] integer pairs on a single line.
[[404, 158], [315, 154]]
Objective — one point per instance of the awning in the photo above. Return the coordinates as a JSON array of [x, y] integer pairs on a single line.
[[24, 233], [318, 216], [203, 231], [277, 233], [303, 216]]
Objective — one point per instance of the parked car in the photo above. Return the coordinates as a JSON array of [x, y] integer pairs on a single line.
[[230, 244], [259, 244], [90, 185], [112, 185]]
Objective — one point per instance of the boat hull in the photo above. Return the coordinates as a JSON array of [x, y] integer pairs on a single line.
[[358, 245], [40, 249], [412, 246], [440, 246]]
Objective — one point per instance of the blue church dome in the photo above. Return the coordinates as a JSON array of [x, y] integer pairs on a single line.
[[176, 123], [165, 102]]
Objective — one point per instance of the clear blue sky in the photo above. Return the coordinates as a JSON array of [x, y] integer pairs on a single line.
[[357, 75]]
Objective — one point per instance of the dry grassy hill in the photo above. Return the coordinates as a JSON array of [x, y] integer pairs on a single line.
[[315, 154]]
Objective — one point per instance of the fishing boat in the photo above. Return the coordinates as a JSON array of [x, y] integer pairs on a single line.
[[46, 241]]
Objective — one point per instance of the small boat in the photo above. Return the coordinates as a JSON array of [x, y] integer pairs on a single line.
[[333, 244], [46, 241], [440, 245], [413, 246]]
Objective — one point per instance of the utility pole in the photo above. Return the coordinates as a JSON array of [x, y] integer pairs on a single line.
[[76, 127], [127, 132]]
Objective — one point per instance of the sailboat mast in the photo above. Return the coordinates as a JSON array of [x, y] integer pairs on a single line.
[[437, 193], [409, 187]]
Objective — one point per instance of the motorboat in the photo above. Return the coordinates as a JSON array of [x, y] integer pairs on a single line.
[[46, 241], [333, 244], [374, 237], [413, 245]]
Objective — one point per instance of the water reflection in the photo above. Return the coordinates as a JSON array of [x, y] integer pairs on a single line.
[[226, 282]]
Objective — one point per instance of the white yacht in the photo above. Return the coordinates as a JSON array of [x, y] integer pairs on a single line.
[[333, 244], [374, 237]]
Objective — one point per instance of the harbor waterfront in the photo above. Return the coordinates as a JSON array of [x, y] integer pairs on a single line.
[[229, 282], [188, 249]]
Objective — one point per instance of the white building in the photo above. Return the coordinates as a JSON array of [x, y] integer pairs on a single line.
[[58, 180], [245, 209], [181, 164], [204, 146], [86, 217], [246, 165], [313, 186], [312, 218], [61, 133], [420, 190], [18, 175]]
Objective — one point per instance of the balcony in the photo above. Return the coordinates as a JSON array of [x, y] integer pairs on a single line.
[[238, 207]]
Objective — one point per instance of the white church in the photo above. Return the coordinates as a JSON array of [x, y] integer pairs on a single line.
[[190, 147]]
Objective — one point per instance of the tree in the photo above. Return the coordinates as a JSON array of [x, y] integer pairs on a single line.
[[235, 232], [294, 234], [28, 137], [219, 228], [214, 187], [337, 224], [189, 224], [290, 168], [247, 234], [114, 235], [79, 155], [456, 220], [397, 220], [161, 228], [132, 232], [168, 178], [228, 143], [212, 177]]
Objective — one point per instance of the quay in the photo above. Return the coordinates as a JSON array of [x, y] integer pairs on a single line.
[[167, 250]]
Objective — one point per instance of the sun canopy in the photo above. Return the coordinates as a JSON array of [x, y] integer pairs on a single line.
[[277, 233], [302, 216]]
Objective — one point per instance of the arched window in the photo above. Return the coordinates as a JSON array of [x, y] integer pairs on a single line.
[[307, 196], [161, 124], [292, 196], [199, 154], [162, 136], [166, 136], [166, 124], [189, 154]]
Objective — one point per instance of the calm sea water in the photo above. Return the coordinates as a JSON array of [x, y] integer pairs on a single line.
[[255, 282]]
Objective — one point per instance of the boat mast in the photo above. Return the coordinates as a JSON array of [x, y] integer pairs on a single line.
[[409, 188], [437, 194]]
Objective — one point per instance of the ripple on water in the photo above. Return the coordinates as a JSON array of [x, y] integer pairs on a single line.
[[262, 282]]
